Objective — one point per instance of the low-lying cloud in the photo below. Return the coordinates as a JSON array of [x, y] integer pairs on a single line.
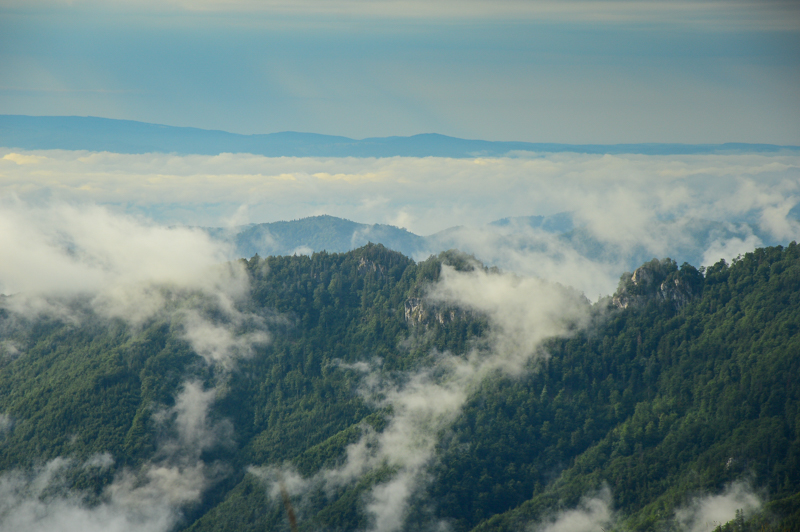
[[111, 266], [422, 404], [593, 514], [523, 311], [615, 194], [704, 514], [128, 266], [148, 500], [6, 422], [633, 207], [151, 498]]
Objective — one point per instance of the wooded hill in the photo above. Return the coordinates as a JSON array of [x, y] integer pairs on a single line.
[[684, 382]]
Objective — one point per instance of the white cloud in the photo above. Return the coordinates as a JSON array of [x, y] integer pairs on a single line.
[[37, 501], [132, 270], [9, 349], [221, 343], [150, 499], [194, 432], [69, 249], [6, 422], [21, 159], [593, 514], [637, 207], [522, 312], [428, 194], [729, 249], [704, 514], [533, 252], [302, 250], [126, 268]]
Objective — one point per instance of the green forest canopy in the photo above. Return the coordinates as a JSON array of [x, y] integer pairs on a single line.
[[685, 381]]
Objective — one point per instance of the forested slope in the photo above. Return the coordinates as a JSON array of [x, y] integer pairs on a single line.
[[663, 403], [682, 383]]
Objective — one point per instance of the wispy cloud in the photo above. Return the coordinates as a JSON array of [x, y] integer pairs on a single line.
[[147, 500], [593, 514], [637, 207], [706, 513], [522, 313], [135, 271], [63, 248]]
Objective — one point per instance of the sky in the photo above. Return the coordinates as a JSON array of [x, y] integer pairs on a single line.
[[578, 71]]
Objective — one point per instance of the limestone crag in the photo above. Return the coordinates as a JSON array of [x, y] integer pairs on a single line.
[[659, 280], [365, 265], [419, 312]]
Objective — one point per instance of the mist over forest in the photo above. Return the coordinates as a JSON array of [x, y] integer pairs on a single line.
[[609, 345]]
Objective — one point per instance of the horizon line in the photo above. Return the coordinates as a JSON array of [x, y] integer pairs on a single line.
[[415, 135]]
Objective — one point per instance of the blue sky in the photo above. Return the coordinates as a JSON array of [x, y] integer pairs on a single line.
[[577, 72]]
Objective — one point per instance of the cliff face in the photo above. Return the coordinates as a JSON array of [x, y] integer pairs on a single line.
[[419, 312], [365, 265], [678, 291], [661, 280]]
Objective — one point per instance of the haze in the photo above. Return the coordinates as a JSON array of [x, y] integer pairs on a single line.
[[574, 71]]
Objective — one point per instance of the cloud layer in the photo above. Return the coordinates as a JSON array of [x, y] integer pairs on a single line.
[[616, 195], [637, 207]]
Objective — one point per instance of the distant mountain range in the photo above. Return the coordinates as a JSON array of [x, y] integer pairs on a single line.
[[313, 234], [338, 235], [127, 136], [496, 243]]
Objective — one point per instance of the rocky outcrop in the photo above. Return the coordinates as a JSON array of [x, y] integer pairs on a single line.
[[677, 291], [365, 265], [414, 310], [419, 312], [659, 280]]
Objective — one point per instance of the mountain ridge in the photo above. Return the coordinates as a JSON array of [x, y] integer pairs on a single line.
[[134, 137], [509, 235], [657, 401]]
